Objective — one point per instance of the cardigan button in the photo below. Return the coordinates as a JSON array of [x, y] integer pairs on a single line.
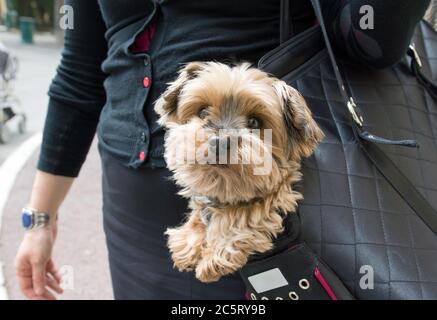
[[142, 156], [146, 82]]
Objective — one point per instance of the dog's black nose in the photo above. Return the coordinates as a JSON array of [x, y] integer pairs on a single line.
[[219, 145]]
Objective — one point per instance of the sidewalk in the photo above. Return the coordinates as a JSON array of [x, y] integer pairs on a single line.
[[37, 66], [80, 243]]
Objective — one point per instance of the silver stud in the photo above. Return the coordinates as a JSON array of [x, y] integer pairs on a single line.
[[252, 296], [264, 298], [279, 298], [304, 284], [293, 295]]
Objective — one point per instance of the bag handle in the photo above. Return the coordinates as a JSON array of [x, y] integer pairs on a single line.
[[353, 109], [367, 141]]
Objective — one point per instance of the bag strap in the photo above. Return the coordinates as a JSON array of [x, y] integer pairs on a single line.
[[285, 25], [367, 141], [416, 68]]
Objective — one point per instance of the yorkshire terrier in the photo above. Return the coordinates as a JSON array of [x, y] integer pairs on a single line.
[[216, 115]]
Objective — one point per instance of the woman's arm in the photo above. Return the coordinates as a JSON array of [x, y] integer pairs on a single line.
[[384, 44], [77, 97], [48, 192], [36, 272]]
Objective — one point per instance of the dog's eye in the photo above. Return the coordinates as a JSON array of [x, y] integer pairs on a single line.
[[203, 113], [253, 123]]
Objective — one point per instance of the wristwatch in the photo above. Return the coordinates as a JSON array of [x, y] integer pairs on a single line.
[[34, 219]]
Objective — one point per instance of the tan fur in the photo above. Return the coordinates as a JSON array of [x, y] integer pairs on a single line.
[[249, 217]]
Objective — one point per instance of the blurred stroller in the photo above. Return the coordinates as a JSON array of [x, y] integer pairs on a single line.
[[9, 104]]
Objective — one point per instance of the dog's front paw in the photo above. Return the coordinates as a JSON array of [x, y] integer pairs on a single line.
[[185, 247], [212, 268]]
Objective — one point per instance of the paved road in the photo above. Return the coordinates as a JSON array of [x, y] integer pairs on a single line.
[[37, 66], [80, 246]]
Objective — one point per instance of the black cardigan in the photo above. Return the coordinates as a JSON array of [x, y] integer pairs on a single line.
[[100, 82]]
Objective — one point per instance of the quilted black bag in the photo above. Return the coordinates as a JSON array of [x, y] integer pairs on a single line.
[[370, 190]]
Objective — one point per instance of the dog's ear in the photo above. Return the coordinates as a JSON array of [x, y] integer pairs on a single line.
[[303, 132], [167, 103]]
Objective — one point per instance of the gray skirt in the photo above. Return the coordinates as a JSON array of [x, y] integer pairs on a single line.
[[138, 206]]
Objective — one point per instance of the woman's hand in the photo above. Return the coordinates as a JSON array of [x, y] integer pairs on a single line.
[[36, 273], [34, 267]]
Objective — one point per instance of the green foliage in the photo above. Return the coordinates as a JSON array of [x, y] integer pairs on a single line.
[[41, 10]]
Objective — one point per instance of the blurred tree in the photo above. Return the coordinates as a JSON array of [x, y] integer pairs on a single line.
[[2, 11], [41, 10]]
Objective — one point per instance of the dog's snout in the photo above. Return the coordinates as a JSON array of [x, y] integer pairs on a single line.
[[212, 125], [220, 142], [219, 147]]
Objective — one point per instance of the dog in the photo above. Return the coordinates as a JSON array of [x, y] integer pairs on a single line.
[[234, 212]]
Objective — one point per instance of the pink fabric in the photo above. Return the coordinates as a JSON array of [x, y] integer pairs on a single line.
[[144, 39], [324, 284]]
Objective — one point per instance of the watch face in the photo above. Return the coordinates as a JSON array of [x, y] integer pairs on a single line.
[[26, 219]]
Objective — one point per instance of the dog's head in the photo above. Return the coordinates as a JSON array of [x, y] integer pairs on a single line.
[[232, 130]]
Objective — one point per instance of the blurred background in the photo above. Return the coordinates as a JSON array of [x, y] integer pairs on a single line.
[[30, 50]]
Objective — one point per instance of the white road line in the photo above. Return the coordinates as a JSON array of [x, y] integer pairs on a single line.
[[9, 170]]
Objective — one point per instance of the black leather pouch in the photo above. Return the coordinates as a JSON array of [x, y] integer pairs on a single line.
[[294, 274]]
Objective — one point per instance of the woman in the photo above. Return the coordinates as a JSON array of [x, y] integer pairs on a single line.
[[116, 62]]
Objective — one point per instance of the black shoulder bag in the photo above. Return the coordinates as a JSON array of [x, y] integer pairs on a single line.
[[293, 271]]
